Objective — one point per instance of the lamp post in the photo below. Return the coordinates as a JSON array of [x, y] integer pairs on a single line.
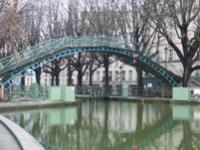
[[166, 49], [120, 78], [120, 74], [170, 54], [157, 58]]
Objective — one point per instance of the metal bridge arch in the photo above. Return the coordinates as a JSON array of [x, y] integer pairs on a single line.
[[150, 66]]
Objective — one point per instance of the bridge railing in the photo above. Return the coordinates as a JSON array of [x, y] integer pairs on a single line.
[[54, 45], [177, 70], [168, 65]]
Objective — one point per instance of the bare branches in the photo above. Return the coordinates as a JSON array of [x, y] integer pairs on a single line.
[[12, 33], [182, 18]]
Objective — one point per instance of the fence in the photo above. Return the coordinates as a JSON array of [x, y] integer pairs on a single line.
[[132, 91], [33, 92], [36, 92]]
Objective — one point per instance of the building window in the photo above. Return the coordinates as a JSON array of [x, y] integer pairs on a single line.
[[66, 72], [45, 82], [110, 75], [87, 76], [28, 81], [116, 75], [170, 54], [117, 63], [31, 81], [63, 73], [123, 75], [172, 35], [130, 76], [103, 75], [98, 75]]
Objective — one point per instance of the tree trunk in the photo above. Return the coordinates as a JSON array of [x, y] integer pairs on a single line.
[[106, 66], [78, 127], [69, 75], [187, 142], [80, 77], [139, 116], [57, 79], [52, 79], [139, 79], [38, 75], [90, 76], [104, 139], [23, 83], [139, 76], [186, 75]]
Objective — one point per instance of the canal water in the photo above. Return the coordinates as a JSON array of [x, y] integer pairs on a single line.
[[95, 125]]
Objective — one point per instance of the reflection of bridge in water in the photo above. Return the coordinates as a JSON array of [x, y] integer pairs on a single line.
[[124, 125], [34, 57], [109, 126]]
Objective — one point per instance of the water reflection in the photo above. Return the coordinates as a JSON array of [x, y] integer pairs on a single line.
[[182, 112], [97, 125]]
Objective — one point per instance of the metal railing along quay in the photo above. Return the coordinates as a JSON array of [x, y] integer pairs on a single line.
[[36, 92], [136, 91]]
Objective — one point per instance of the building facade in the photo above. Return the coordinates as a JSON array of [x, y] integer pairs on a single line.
[[119, 73]]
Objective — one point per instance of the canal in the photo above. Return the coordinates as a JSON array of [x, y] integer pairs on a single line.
[[103, 125]]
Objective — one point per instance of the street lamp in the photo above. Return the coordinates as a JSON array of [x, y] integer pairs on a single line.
[[166, 49], [120, 77], [170, 54], [158, 58], [120, 74]]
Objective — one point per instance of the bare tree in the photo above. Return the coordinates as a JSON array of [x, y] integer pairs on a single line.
[[95, 62], [54, 69], [12, 33], [182, 18], [81, 65], [102, 23], [33, 15], [54, 29], [76, 26], [135, 30], [70, 71]]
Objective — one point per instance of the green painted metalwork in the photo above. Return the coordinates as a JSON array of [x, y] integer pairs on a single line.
[[34, 57], [51, 46], [176, 70], [34, 92], [93, 91]]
